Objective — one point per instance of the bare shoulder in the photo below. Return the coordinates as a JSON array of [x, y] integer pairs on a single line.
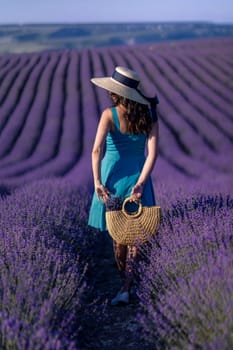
[[107, 114], [107, 119]]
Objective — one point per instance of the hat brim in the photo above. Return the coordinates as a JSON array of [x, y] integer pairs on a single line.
[[114, 86]]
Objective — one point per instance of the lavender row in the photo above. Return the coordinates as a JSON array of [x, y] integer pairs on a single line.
[[81, 172], [24, 157], [48, 144], [99, 68], [198, 103], [10, 88], [17, 112], [5, 69], [69, 145], [18, 146], [191, 77], [179, 99], [4, 60], [225, 68], [215, 73], [55, 127], [206, 78]]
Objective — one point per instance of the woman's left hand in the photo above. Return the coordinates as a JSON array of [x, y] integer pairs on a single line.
[[137, 191], [102, 192]]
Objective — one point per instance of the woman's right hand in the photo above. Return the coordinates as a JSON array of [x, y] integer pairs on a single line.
[[102, 192]]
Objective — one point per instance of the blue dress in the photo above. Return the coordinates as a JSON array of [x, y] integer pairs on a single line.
[[120, 169]]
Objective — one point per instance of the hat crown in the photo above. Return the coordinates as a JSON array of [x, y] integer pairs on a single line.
[[129, 73], [123, 82]]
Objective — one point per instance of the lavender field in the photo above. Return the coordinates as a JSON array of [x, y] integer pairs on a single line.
[[49, 112]]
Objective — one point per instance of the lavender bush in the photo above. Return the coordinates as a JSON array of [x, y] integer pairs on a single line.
[[196, 313], [41, 290], [46, 252], [194, 234], [55, 206], [189, 230]]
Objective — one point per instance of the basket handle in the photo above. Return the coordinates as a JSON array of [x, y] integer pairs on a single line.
[[134, 214]]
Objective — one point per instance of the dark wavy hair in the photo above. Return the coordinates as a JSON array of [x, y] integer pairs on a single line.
[[137, 114]]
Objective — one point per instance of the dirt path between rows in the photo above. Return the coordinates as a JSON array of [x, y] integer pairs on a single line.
[[120, 328]]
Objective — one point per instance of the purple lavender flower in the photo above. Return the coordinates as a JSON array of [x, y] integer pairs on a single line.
[[114, 203]]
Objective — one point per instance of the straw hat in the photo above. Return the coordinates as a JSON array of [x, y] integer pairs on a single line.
[[123, 82]]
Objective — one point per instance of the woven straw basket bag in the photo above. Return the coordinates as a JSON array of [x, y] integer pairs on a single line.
[[128, 228]]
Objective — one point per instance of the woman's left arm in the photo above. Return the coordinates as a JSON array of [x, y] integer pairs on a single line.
[[152, 146]]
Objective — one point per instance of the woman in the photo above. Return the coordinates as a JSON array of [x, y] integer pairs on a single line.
[[124, 170]]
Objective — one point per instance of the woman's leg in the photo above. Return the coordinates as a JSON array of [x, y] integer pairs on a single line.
[[131, 261], [120, 252], [126, 259]]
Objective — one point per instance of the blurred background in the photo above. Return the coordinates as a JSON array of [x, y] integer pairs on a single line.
[[27, 26]]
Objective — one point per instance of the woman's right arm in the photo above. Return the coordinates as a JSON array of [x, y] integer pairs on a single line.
[[97, 152]]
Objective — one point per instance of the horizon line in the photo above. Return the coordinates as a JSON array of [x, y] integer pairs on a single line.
[[118, 22]]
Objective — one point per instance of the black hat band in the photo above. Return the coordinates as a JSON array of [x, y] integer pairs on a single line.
[[132, 83]]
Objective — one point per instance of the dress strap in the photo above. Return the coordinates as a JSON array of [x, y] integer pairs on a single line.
[[115, 118]]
